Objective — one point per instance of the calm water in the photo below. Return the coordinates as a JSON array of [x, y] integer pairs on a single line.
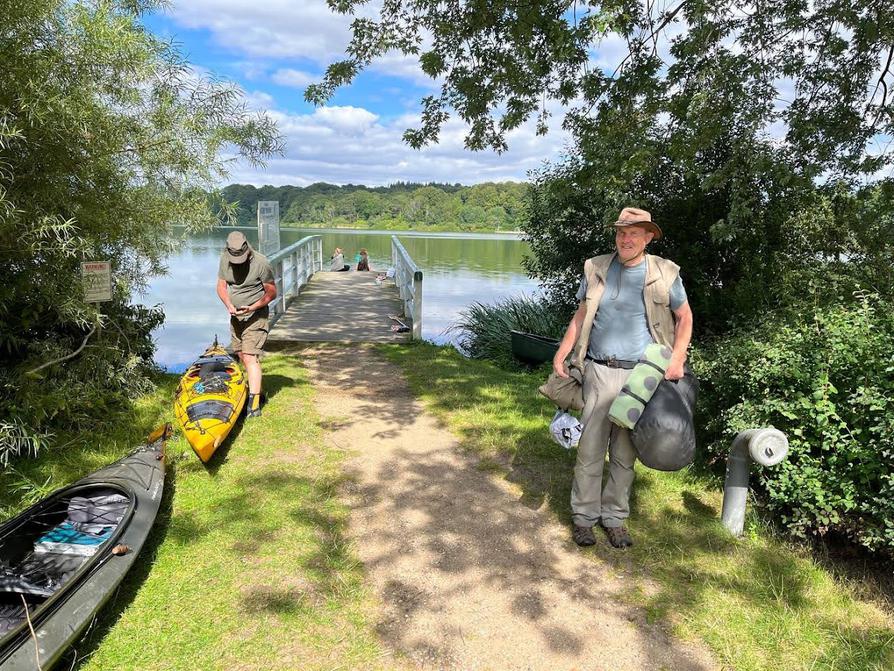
[[458, 269]]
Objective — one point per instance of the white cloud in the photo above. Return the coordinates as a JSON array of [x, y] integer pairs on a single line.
[[295, 78], [396, 64], [351, 120], [351, 144], [260, 101], [277, 29], [270, 29]]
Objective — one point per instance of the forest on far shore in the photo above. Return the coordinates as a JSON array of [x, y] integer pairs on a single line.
[[488, 206]]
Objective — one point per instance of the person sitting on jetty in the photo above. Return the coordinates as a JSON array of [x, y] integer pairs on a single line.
[[337, 260], [363, 263]]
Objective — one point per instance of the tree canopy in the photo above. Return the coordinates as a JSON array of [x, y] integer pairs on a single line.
[[107, 138], [758, 135], [815, 76]]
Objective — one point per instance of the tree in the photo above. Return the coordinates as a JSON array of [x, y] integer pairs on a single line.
[[107, 138], [745, 130]]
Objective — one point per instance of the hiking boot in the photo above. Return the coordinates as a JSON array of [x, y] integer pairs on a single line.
[[253, 406], [583, 536], [618, 537]]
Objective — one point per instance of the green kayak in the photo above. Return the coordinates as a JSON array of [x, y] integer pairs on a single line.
[[532, 348], [62, 558]]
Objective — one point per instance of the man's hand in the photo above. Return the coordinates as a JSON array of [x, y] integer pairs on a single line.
[[242, 310], [560, 367], [674, 371], [232, 310]]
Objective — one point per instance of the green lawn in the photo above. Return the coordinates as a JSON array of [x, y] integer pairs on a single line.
[[759, 602], [248, 565]]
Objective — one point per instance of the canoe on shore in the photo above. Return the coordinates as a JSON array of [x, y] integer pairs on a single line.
[[62, 558], [532, 348]]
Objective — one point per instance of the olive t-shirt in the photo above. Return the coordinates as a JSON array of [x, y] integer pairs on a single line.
[[245, 281]]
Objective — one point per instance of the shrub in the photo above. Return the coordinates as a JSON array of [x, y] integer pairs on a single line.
[[826, 379], [484, 329]]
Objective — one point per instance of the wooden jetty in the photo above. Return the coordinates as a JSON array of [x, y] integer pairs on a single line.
[[316, 305]]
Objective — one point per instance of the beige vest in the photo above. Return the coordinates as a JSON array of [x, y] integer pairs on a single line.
[[660, 276]]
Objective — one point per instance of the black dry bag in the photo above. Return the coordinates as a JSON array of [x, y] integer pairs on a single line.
[[664, 436]]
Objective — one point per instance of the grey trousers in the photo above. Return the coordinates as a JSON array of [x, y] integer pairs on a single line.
[[590, 501]]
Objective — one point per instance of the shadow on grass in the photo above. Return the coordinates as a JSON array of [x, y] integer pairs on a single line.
[[273, 384], [322, 568], [679, 539]]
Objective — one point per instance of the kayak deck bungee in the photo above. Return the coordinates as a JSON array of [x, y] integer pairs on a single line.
[[62, 558], [209, 399]]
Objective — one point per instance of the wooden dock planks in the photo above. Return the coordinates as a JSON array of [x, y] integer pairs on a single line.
[[341, 307]]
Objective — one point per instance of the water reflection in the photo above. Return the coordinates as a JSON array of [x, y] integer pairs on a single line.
[[458, 269]]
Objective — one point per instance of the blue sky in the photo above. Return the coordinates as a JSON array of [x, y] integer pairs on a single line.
[[273, 49]]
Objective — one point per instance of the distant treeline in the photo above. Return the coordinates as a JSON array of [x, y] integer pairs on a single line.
[[482, 207]]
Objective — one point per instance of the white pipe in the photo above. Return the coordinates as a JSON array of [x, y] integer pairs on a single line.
[[765, 446]]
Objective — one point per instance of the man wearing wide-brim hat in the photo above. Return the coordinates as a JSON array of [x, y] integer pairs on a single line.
[[246, 286], [628, 300]]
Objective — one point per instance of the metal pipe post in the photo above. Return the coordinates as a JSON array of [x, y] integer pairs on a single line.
[[765, 446]]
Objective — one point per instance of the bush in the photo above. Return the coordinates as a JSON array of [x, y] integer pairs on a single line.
[[81, 393], [827, 381], [484, 329]]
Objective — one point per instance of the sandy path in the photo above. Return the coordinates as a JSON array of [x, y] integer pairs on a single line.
[[467, 576]]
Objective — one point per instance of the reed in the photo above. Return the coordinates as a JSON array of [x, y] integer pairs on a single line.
[[484, 328]]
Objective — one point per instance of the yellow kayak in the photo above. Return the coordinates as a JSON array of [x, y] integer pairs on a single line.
[[209, 400]]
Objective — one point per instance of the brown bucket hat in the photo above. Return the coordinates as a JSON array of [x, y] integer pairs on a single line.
[[238, 247], [633, 216]]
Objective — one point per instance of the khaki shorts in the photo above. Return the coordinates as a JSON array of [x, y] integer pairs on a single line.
[[249, 336]]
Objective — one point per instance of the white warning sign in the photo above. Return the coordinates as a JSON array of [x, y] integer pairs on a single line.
[[97, 278]]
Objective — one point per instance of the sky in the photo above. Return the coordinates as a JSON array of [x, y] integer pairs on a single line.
[[274, 49]]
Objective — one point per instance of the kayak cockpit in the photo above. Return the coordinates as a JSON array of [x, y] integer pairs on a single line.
[[50, 548]]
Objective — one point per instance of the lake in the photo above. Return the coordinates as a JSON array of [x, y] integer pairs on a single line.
[[458, 270]]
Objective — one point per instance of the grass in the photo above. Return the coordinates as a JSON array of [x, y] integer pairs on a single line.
[[758, 602], [248, 565]]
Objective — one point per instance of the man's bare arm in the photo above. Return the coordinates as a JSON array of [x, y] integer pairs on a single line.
[[682, 338], [224, 296], [568, 340]]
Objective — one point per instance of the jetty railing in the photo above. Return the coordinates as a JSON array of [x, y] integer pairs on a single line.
[[408, 279], [293, 266]]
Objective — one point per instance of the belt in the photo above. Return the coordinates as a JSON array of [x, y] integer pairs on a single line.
[[614, 363]]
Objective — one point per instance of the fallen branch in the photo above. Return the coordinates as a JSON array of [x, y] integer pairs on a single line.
[[66, 357]]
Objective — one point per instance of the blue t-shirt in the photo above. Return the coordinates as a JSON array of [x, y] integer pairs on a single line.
[[620, 329]]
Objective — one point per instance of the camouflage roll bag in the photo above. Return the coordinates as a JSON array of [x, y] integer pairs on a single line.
[[644, 379]]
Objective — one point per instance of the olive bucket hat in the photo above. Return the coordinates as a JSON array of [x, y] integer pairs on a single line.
[[237, 247]]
